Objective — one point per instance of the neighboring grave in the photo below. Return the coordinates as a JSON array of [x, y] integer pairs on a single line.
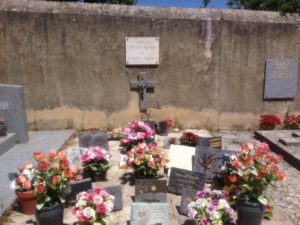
[[149, 214], [13, 109], [180, 179], [150, 190], [281, 79], [93, 138], [282, 142]]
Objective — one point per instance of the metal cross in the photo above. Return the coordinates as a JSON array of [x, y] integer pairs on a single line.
[[143, 86]]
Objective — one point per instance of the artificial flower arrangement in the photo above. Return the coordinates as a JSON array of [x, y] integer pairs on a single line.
[[251, 172], [209, 208], [116, 134], [95, 161], [269, 122], [25, 177], [291, 121], [93, 207], [189, 139], [52, 177], [137, 132], [145, 159]]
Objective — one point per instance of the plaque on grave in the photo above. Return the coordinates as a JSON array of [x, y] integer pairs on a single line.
[[281, 79], [79, 186], [181, 156], [211, 142], [142, 50], [150, 190], [116, 191], [209, 161], [74, 156], [149, 214], [187, 197], [93, 138], [180, 179]]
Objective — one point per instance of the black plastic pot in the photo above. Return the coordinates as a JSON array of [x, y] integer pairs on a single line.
[[95, 176], [162, 128], [3, 130], [52, 215], [250, 213]]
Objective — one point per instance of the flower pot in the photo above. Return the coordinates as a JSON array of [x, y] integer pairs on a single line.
[[3, 130], [52, 215], [162, 128], [250, 213], [27, 201], [95, 176]]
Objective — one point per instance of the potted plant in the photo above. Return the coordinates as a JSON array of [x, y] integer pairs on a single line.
[[52, 178], [209, 208], [189, 139], [269, 122], [3, 128], [254, 170], [145, 159], [24, 189], [95, 161], [93, 207], [137, 132]]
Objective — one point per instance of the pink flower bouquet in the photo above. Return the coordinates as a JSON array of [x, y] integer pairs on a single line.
[[93, 207], [25, 177], [137, 132]]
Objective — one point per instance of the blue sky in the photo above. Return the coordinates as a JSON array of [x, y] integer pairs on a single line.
[[182, 3]]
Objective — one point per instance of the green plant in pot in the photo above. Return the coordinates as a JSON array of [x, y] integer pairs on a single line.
[[254, 170], [3, 128], [95, 161], [52, 178]]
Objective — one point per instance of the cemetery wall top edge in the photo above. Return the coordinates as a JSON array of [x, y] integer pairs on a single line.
[[146, 12]]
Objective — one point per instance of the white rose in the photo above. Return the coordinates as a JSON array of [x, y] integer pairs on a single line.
[[89, 212], [13, 185], [215, 215], [81, 203]]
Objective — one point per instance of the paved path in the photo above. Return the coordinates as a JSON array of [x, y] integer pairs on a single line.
[[21, 153]]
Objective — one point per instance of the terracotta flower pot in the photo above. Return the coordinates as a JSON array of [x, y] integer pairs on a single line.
[[27, 201]]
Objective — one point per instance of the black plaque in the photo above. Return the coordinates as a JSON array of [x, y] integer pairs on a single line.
[[187, 197], [79, 186], [150, 190], [209, 161], [116, 191], [180, 178], [212, 142]]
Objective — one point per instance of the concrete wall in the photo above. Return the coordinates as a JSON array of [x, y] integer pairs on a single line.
[[71, 60]]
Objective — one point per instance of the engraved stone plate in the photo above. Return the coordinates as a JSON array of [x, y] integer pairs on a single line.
[[281, 79], [181, 156], [150, 190], [212, 142], [142, 50], [116, 191], [180, 179], [187, 197], [149, 214]]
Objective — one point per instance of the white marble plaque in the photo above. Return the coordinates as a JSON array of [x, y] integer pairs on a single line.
[[181, 157], [142, 50]]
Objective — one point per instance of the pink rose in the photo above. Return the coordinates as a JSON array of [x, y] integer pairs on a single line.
[[101, 209], [62, 155], [150, 164]]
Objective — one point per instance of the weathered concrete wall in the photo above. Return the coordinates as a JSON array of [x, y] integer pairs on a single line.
[[71, 60]]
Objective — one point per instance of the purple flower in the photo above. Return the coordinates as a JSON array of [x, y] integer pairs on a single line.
[[204, 221], [201, 194], [192, 214], [210, 209], [229, 211], [215, 202]]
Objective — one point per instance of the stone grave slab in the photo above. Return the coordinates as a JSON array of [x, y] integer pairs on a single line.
[[290, 153], [93, 138], [210, 142], [289, 141], [79, 186], [296, 134], [181, 157], [180, 178], [281, 78], [74, 156], [116, 191], [209, 161], [187, 197], [13, 110], [150, 190], [149, 214]]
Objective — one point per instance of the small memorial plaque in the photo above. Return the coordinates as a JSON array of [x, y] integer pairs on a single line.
[[150, 190], [79, 186], [181, 157], [212, 142], [209, 161], [149, 214], [116, 191], [180, 179], [93, 138], [74, 156], [142, 50], [281, 79], [187, 197]]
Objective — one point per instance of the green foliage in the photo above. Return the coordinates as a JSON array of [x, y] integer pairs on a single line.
[[285, 6], [123, 2]]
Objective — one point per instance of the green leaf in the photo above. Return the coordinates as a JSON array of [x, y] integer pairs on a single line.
[[247, 187], [39, 206], [262, 200]]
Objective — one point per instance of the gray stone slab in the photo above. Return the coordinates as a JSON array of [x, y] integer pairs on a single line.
[[7, 142], [289, 141], [93, 138], [79, 186], [150, 190], [187, 197], [296, 134], [13, 109], [116, 191], [281, 78], [180, 179], [21, 153]]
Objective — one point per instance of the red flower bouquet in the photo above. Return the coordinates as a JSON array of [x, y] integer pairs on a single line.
[[269, 122], [189, 139]]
